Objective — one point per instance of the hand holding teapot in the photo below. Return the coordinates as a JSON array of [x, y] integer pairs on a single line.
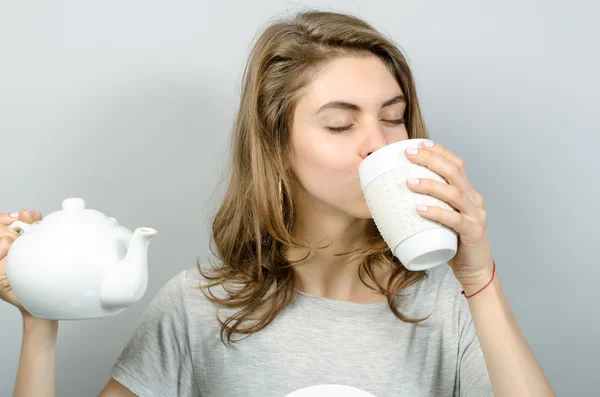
[[7, 237]]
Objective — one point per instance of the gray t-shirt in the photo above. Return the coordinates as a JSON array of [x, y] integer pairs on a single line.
[[176, 349]]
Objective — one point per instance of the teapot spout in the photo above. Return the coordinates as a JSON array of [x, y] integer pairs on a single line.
[[125, 281]]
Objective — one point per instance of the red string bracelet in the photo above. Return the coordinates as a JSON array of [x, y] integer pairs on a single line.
[[492, 279]]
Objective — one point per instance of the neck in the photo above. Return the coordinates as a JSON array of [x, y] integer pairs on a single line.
[[322, 273]]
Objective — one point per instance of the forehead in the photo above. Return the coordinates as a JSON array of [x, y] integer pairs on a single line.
[[362, 80]]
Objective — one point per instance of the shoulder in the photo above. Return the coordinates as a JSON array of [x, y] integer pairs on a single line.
[[177, 306], [190, 285], [184, 286], [442, 279], [439, 280], [439, 294], [169, 304]]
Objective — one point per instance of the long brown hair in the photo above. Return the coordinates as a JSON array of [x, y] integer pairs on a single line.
[[251, 229]]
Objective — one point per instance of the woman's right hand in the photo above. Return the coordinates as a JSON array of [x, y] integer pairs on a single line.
[[7, 237]]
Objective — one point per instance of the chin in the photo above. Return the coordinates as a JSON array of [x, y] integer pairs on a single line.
[[360, 210]]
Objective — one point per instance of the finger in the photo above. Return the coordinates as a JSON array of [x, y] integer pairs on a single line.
[[443, 150], [471, 192], [448, 193], [37, 215], [6, 231], [7, 219], [5, 243], [26, 216], [439, 163], [455, 220]]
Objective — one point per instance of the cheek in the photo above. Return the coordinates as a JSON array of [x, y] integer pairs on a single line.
[[325, 159], [328, 171], [401, 135]]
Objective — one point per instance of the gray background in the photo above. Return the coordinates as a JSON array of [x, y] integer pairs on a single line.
[[129, 105]]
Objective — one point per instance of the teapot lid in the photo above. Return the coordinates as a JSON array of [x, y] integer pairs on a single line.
[[74, 213]]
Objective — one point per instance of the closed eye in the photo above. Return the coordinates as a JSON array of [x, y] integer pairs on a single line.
[[346, 128]]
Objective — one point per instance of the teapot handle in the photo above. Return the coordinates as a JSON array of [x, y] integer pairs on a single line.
[[20, 226]]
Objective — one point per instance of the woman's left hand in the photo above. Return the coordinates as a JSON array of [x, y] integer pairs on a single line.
[[472, 265]]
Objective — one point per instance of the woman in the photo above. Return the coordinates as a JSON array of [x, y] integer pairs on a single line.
[[294, 239]]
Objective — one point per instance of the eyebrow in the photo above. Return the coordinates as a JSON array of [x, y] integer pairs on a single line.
[[351, 106]]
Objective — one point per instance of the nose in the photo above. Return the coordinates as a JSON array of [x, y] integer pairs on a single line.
[[374, 138]]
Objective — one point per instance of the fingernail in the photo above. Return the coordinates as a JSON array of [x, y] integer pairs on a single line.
[[412, 181], [30, 213], [14, 214], [411, 150], [422, 208], [428, 143]]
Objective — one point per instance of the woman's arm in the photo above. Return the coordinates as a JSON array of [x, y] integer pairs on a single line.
[[512, 368], [37, 366], [36, 375]]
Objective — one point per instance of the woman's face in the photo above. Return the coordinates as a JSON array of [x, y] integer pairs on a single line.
[[353, 106]]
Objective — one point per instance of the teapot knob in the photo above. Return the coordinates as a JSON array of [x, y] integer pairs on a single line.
[[73, 204]]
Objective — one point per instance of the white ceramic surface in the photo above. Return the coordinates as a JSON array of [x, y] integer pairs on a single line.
[[419, 243], [330, 391], [76, 263]]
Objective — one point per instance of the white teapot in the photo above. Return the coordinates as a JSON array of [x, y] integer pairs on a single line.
[[76, 263]]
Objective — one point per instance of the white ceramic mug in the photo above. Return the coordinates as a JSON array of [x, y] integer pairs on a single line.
[[419, 243]]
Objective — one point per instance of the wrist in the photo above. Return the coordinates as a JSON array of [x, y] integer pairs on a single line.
[[475, 283], [39, 326]]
